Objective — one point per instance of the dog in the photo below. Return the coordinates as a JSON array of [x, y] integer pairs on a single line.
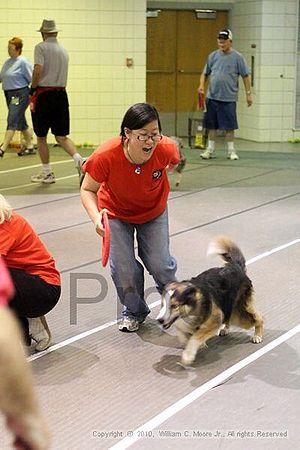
[[206, 305]]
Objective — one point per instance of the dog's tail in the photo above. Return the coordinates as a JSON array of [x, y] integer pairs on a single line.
[[228, 250]]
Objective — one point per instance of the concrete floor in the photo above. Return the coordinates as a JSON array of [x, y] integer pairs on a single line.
[[104, 389]]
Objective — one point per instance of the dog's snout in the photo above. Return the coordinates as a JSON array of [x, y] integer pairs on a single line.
[[160, 320]]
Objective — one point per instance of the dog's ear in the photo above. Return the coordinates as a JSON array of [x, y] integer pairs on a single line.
[[171, 286], [188, 296]]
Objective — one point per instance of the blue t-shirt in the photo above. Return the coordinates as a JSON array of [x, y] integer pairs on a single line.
[[224, 70], [16, 73]]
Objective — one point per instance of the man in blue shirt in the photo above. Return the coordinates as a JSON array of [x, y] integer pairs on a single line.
[[223, 67]]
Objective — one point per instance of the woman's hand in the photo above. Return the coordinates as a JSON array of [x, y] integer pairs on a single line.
[[99, 222], [171, 167]]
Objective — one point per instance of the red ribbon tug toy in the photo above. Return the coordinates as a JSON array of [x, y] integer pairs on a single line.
[[105, 239], [201, 102]]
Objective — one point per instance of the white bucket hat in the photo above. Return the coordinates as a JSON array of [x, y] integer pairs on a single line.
[[48, 26]]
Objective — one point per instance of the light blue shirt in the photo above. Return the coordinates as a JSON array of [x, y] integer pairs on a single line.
[[224, 70], [16, 73]]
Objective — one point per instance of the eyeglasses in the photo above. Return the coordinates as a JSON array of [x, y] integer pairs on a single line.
[[145, 137]]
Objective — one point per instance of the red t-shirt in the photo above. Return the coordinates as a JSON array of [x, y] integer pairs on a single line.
[[131, 192], [21, 248]]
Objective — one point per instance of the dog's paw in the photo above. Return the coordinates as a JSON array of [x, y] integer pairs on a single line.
[[185, 367], [224, 331], [256, 339], [187, 359]]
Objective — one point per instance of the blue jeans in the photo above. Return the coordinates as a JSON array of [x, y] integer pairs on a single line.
[[17, 101], [128, 273]]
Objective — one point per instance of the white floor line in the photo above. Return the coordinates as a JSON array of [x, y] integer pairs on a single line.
[[201, 390], [71, 340], [36, 184], [17, 169], [80, 336], [274, 250]]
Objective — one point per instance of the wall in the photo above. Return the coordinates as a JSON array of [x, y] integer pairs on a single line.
[[99, 35], [272, 26]]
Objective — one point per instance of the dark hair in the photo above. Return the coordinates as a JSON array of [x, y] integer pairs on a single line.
[[139, 115]]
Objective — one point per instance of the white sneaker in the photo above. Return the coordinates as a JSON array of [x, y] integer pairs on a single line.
[[232, 155], [208, 154], [43, 178], [39, 332], [128, 325]]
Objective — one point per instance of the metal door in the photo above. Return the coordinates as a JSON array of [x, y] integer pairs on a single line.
[[178, 44]]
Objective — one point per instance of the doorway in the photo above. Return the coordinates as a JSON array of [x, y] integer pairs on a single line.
[[178, 44]]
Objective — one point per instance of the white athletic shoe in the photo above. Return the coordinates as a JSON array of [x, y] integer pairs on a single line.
[[43, 178], [40, 333], [128, 325], [208, 154], [232, 155]]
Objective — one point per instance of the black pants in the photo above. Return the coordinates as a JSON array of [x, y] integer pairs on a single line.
[[33, 297]]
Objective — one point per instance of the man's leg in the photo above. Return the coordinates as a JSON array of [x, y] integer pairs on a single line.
[[211, 124], [228, 122], [68, 145], [229, 138], [211, 144], [43, 149], [47, 175]]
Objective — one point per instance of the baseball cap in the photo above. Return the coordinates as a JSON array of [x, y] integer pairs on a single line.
[[225, 34]]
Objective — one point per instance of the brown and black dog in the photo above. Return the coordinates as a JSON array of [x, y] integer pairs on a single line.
[[206, 305]]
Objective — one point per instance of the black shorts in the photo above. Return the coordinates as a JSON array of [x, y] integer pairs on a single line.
[[51, 112], [34, 297]]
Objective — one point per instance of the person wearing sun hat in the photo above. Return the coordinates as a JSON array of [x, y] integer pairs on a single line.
[[223, 68], [49, 100]]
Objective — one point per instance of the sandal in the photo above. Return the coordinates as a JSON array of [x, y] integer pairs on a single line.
[[1, 153]]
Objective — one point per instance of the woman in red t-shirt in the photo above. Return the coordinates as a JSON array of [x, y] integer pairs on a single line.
[[32, 269], [127, 176]]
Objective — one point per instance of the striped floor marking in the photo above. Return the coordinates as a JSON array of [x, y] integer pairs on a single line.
[[201, 390]]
